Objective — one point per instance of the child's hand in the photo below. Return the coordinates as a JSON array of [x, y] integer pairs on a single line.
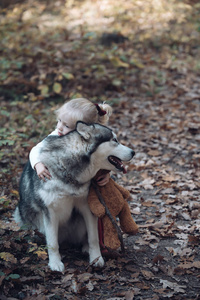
[[42, 171], [103, 179]]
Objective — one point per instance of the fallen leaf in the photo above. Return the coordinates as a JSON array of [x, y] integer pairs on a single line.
[[84, 277], [173, 286], [8, 257], [57, 87], [195, 264], [118, 63], [129, 295], [147, 274], [170, 178], [147, 183], [44, 90], [41, 254], [68, 76], [90, 286], [154, 153], [158, 259]]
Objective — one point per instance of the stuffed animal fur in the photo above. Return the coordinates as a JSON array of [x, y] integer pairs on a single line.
[[115, 197]]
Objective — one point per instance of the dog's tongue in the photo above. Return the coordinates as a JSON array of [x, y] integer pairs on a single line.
[[117, 163], [121, 166]]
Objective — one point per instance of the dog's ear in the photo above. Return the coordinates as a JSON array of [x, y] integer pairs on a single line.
[[84, 130]]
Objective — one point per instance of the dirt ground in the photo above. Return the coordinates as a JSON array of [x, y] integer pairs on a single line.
[[162, 260]]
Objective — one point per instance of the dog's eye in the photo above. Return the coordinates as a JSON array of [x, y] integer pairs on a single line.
[[115, 140]]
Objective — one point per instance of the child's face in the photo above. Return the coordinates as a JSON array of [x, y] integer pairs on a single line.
[[63, 126]]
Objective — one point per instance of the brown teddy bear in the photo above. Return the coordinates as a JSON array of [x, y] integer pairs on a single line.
[[115, 197]]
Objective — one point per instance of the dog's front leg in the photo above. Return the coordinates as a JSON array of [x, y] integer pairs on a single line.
[[93, 238], [51, 233]]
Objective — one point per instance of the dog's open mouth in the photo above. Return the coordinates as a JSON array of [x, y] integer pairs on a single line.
[[117, 163]]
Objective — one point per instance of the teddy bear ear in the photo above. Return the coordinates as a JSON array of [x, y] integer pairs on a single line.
[[84, 130]]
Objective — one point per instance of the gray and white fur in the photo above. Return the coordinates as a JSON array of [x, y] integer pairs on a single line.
[[58, 207]]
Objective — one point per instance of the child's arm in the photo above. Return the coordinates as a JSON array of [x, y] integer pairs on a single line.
[[103, 179], [34, 157], [41, 170]]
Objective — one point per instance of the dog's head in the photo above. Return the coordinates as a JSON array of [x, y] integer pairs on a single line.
[[105, 150]]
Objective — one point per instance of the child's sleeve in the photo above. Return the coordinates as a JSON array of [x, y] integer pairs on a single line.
[[34, 155]]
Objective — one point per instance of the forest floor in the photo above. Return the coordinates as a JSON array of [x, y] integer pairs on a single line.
[[143, 58]]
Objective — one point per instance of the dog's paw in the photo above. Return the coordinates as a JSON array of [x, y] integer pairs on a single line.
[[98, 262], [57, 266]]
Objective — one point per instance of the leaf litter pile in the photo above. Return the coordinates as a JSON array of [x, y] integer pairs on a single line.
[[142, 57]]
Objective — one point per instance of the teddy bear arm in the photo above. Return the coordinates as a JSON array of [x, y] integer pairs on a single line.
[[127, 223], [94, 204]]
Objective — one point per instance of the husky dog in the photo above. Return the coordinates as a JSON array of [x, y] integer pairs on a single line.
[[58, 207]]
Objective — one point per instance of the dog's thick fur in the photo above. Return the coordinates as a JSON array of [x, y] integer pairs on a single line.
[[58, 207]]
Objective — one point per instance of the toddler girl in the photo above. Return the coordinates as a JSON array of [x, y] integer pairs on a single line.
[[79, 109]]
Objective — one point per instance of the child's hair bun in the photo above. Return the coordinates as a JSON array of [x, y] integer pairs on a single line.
[[103, 119]]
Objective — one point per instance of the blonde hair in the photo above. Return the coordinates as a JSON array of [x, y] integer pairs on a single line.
[[82, 109]]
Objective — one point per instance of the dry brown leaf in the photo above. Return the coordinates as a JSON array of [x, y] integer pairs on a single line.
[[195, 264], [154, 153], [170, 178], [148, 204], [84, 277], [147, 274], [129, 295]]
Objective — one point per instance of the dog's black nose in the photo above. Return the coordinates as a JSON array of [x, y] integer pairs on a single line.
[[133, 153]]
